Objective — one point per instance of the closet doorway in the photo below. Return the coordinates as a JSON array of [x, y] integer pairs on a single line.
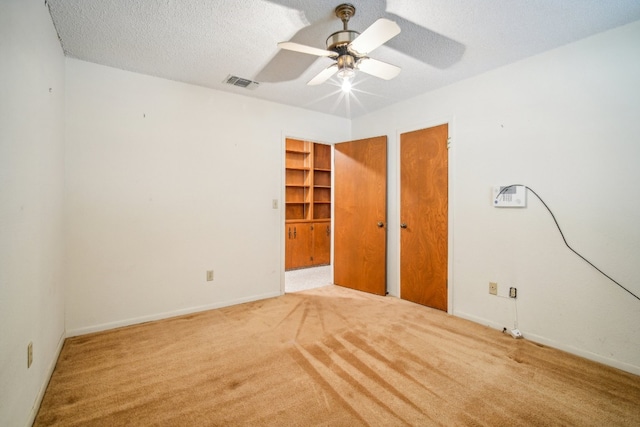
[[308, 227]]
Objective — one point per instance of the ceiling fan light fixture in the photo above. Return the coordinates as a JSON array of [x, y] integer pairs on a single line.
[[346, 67]]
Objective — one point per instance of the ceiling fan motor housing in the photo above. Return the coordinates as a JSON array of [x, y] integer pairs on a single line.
[[340, 39]]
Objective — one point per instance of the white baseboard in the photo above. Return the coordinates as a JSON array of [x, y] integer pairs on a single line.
[[166, 315], [558, 345], [43, 388]]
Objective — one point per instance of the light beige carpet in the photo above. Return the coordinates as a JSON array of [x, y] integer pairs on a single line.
[[328, 356]]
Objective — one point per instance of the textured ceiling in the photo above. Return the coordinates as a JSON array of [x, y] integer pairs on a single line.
[[442, 41]]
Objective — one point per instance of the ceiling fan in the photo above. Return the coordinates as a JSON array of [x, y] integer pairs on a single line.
[[350, 49]]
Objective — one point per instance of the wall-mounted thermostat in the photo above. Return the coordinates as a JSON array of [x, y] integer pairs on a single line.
[[510, 196]]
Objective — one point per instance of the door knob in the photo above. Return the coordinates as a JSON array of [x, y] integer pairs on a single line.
[[403, 225], [380, 224]]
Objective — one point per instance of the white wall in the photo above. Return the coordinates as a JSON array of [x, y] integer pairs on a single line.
[[31, 182], [565, 123], [164, 181]]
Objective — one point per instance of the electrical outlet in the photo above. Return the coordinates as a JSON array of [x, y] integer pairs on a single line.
[[493, 288], [29, 355], [513, 292], [209, 275]]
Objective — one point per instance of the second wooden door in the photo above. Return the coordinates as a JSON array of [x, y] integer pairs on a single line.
[[424, 216]]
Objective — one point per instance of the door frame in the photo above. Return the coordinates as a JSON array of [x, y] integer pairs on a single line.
[[450, 121], [284, 135]]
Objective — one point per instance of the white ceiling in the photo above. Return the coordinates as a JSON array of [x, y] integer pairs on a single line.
[[442, 41]]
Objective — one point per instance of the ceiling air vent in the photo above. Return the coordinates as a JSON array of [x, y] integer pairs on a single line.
[[240, 82]]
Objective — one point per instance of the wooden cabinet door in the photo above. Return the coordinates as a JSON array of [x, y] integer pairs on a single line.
[[298, 247], [321, 243], [424, 217], [360, 237]]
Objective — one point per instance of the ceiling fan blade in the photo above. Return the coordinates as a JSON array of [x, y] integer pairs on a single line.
[[324, 75], [375, 36], [378, 69], [296, 47]]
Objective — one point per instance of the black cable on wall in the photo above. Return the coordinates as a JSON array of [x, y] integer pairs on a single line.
[[503, 189]]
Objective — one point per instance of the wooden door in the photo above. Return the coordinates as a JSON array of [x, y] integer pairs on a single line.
[[360, 237], [424, 216], [321, 243], [297, 245]]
